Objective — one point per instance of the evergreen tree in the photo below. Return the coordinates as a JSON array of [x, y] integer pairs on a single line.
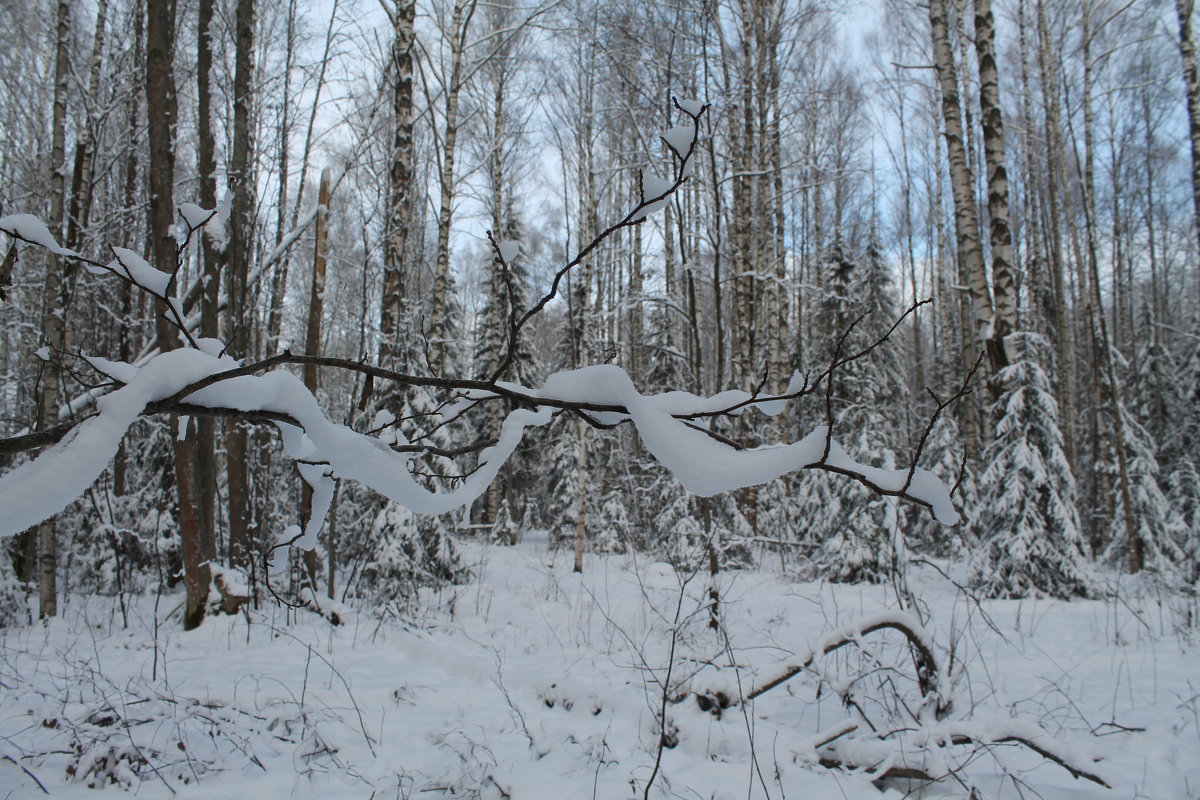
[[504, 529], [611, 524], [1026, 518], [1183, 494], [408, 552], [562, 474], [1157, 522], [851, 530]]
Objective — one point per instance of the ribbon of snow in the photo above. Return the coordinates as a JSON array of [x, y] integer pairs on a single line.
[[28, 228], [40, 488], [922, 756], [901, 621]]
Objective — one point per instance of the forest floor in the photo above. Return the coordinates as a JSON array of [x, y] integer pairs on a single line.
[[534, 682]]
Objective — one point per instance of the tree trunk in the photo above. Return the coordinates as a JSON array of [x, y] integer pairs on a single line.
[[81, 192], [779, 330], [1003, 284], [1135, 544], [581, 463], [280, 276], [162, 110], [966, 221], [1187, 49], [312, 346], [203, 438], [392, 327], [742, 143], [443, 287], [581, 291], [279, 280], [1061, 329], [53, 309], [125, 325], [240, 253]]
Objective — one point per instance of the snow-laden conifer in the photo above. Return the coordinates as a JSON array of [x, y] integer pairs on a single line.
[[846, 520], [1157, 523], [1026, 518]]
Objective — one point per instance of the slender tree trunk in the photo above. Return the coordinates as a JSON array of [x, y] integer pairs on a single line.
[[498, 321], [670, 281], [582, 302], [279, 281], [780, 330], [162, 110], [240, 255], [718, 304], [1191, 77], [1003, 284], [81, 191], [125, 324], [1061, 328], [279, 278], [203, 438], [581, 463], [742, 142], [966, 222], [443, 286], [918, 338], [635, 333], [1135, 544], [53, 299], [163, 113], [331, 550], [312, 345], [1156, 300], [393, 322]]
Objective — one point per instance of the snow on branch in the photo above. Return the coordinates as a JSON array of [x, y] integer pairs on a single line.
[[917, 748], [201, 379]]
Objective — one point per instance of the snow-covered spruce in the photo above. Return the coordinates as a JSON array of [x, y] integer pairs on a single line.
[[1026, 519], [1157, 523], [845, 522]]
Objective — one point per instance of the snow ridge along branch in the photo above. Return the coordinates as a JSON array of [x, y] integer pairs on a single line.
[[202, 379]]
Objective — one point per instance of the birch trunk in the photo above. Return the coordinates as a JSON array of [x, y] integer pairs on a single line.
[[1187, 48], [1003, 284], [588, 228], [966, 220], [53, 310], [392, 326], [443, 287]]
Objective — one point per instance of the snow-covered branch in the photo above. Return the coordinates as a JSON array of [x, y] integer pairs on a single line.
[[675, 427]]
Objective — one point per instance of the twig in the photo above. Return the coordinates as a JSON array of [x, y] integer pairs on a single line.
[[24, 769]]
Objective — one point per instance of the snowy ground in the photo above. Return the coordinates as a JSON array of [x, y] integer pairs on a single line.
[[533, 682]]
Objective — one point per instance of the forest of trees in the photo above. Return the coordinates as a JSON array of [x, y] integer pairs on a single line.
[[399, 186]]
